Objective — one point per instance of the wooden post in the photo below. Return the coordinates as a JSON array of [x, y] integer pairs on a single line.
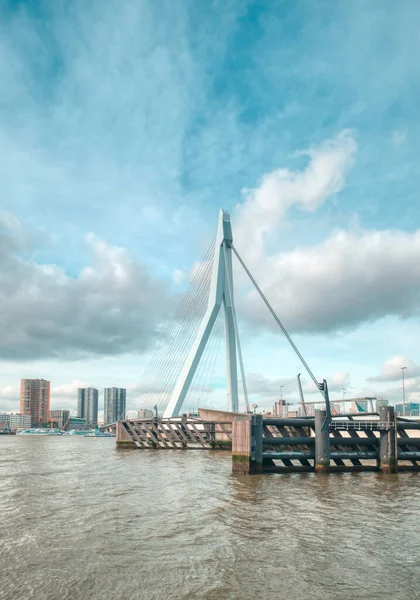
[[257, 443], [247, 448], [123, 439], [322, 443], [388, 451]]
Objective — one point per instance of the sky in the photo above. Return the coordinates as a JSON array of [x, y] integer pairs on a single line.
[[127, 124]]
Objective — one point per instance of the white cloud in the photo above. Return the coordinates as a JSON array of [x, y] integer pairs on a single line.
[[336, 383], [348, 279], [266, 388], [391, 370], [112, 306], [399, 137], [264, 207]]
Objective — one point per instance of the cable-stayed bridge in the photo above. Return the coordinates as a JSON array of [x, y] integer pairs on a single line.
[[180, 370]]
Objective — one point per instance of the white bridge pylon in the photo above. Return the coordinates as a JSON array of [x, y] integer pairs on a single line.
[[221, 294]]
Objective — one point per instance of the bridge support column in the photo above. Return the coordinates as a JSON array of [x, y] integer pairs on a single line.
[[388, 451], [322, 443], [247, 445]]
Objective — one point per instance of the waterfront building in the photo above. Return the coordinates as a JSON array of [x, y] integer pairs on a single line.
[[309, 410], [19, 421], [4, 421], [87, 405], [35, 400], [60, 417], [77, 423], [114, 404], [145, 413], [412, 409]]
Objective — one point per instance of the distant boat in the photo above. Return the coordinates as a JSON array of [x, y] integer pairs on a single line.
[[41, 431], [99, 434]]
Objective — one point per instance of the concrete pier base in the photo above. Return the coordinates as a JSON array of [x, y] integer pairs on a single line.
[[247, 448], [322, 443], [123, 440]]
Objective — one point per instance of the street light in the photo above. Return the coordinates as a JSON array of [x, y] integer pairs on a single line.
[[403, 369], [344, 404]]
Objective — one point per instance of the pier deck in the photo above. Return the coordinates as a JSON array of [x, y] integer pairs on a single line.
[[175, 434], [291, 445]]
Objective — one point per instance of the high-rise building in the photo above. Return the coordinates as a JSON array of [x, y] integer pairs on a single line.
[[281, 409], [60, 417], [114, 404], [81, 393], [379, 403], [35, 400], [87, 405]]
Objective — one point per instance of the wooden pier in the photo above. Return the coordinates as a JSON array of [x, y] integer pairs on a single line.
[[175, 434]]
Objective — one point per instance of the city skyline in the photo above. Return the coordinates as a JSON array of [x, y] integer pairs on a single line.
[[273, 396], [73, 406], [35, 400]]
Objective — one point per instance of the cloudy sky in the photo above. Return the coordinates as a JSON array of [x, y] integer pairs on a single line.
[[127, 124]]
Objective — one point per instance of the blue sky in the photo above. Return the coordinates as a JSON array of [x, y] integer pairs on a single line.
[[126, 125]]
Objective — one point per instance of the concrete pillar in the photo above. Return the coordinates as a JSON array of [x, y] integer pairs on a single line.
[[247, 447], [123, 439], [388, 451], [322, 443]]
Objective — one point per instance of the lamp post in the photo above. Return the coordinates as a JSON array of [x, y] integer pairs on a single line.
[[403, 389], [344, 403]]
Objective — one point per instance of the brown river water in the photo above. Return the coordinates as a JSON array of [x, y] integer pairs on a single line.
[[80, 520]]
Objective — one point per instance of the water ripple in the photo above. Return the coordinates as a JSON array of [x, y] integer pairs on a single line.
[[82, 520]]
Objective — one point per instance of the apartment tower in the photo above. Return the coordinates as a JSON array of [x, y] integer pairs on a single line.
[[87, 405], [114, 404], [35, 400]]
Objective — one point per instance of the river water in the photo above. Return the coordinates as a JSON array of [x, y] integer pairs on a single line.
[[80, 520]]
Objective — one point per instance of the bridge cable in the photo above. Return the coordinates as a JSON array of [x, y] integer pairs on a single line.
[[282, 327], [191, 305], [209, 363], [176, 326]]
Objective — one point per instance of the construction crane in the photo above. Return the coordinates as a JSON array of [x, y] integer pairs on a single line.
[[302, 399], [67, 422]]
